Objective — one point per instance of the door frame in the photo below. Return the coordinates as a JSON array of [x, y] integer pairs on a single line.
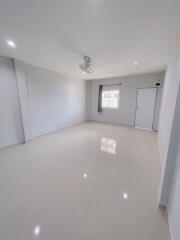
[[154, 105]]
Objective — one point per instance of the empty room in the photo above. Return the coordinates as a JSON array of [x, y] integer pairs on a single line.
[[89, 120]]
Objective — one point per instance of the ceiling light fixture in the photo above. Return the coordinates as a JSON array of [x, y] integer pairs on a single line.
[[11, 44], [86, 67], [125, 196], [85, 175]]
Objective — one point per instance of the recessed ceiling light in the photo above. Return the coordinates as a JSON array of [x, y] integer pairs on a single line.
[[136, 63], [10, 43], [125, 196], [85, 175]]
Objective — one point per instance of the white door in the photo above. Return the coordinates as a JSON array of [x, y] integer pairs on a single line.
[[145, 107]]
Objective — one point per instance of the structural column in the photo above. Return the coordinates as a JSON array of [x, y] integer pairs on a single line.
[[24, 99]]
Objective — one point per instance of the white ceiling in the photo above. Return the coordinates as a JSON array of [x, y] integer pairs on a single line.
[[54, 34]]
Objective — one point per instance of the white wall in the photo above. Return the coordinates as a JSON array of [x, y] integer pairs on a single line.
[[128, 93], [169, 146], [169, 98], [173, 176], [35, 101], [11, 131], [55, 100], [174, 201]]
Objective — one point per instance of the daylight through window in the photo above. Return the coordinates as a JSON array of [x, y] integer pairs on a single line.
[[110, 99]]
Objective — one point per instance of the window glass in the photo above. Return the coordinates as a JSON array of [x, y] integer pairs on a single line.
[[110, 99]]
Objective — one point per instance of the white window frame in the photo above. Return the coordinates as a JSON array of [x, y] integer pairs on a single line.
[[118, 99]]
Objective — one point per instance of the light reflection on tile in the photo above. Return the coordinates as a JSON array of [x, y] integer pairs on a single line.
[[37, 231], [108, 145], [59, 186]]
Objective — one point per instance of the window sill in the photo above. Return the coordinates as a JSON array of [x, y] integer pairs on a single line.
[[111, 109]]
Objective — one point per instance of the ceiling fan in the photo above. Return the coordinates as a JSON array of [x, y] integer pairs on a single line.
[[86, 67]]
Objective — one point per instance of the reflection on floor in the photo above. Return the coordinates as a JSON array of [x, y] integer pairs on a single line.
[[66, 185], [108, 145]]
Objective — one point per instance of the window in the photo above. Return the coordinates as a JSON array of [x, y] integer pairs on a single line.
[[110, 99]]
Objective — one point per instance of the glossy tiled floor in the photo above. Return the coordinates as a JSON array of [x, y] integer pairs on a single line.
[[89, 182]]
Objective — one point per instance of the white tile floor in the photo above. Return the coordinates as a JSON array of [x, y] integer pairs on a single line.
[[89, 182]]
